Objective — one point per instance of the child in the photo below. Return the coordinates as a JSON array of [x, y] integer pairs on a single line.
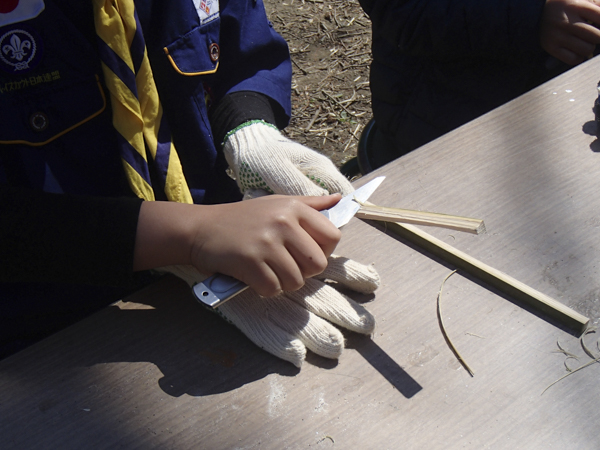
[[95, 189]]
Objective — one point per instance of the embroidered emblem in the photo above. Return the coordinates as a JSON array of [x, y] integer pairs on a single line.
[[19, 51], [208, 10]]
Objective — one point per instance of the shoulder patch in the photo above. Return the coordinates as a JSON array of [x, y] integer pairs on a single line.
[[15, 11]]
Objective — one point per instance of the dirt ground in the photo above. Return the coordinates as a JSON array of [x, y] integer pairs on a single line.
[[330, 44]]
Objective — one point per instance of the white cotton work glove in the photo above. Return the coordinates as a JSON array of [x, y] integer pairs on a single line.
[[290, 323], [262, 158]]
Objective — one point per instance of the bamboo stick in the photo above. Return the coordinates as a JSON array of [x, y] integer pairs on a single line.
[[501, 281], [369, 211]]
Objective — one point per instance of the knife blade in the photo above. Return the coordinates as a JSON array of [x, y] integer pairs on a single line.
[[218, 288]]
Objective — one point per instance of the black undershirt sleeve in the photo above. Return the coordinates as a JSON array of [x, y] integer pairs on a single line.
[[66, 238], [238, 107]]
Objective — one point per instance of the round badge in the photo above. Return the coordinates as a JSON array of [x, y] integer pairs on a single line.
[[214, 52], [20, 50], [38, 121]]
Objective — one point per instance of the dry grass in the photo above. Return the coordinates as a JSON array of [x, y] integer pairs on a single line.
[[330, 44]]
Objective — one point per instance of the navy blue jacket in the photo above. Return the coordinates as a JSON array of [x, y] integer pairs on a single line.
[[66, 212], [72, 100], [440, 63]]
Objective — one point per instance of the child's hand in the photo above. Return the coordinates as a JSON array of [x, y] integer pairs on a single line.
[[271, 243], [568, 30]]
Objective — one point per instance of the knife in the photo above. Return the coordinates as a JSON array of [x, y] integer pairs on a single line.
[[217, 289]]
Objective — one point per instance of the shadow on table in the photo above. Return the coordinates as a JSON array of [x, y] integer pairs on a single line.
[[377, 358], [384, 364], [591, 128], [197, 352]]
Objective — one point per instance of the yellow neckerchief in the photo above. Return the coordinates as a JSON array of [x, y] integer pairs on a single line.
[[137, 112]]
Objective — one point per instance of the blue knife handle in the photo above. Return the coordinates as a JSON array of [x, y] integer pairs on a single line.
[[217, 289]]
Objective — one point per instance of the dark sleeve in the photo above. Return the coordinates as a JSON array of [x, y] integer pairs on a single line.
[[66, 238], [450, 29], [238, 107]]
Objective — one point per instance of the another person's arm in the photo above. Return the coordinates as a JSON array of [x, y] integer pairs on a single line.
[[446, 29], [568, 30]]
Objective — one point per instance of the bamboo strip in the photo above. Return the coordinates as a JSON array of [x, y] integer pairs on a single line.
[[369, 211], [501, 281], [443, 328]]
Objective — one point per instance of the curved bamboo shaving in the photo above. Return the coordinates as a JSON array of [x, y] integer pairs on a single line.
[[585, 347], [443, 329], [594, 360], [564, 352], [567, 368]]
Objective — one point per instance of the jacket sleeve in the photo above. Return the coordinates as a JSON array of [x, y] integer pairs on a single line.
[[254, 56], [66, 238], [235, 50], [448, 29]]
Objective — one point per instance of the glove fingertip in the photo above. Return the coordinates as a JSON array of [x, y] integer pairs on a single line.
[[369, 283], [341, 185], [294, 353], [358, 277], [366, 324], [323, 339]]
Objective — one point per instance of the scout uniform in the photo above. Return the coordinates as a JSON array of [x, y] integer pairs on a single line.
[[57, 134]]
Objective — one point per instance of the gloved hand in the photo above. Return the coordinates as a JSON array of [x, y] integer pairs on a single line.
[[290, 323], [262, 158]]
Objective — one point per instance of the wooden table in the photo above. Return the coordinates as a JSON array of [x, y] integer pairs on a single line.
[[158, 371]]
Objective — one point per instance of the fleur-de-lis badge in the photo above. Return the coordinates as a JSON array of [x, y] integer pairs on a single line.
[[18, 49]]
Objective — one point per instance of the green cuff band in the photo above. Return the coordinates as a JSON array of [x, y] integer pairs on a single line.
[[247, 124]]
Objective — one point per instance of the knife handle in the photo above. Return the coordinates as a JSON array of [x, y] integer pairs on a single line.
[[217, 289]]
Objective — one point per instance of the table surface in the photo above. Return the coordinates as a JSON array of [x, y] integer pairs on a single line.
[[158, 371]]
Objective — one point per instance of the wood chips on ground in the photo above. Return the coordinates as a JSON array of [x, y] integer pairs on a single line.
[[330, 45]]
